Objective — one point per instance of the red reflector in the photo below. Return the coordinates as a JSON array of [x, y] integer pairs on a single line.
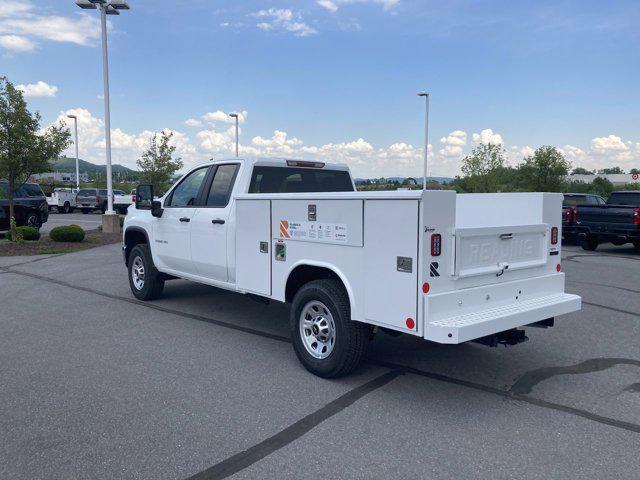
[[425, 287], [558, 268], [636, 216], [554, 235], [436, 244], [410, 323]]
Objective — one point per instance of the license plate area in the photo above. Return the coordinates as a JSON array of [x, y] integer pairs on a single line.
[[496, 250]]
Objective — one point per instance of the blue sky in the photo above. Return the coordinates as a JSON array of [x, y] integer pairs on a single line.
[[337, 79]]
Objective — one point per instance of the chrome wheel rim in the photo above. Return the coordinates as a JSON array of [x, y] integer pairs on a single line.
[[317, 329], [32, 221], [137, 273]]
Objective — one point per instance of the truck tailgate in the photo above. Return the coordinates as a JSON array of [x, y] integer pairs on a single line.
[[493, 250]]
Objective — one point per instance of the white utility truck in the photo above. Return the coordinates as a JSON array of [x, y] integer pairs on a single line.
[[447, 267], [62, 199]]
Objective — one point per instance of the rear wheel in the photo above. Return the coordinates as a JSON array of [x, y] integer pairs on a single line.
[[327, 342], [589, 243], [66, 207], [103, 209], [85, 211], [145, 281]]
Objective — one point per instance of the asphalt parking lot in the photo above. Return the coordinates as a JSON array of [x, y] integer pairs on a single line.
[[90, 221], [203, 383]]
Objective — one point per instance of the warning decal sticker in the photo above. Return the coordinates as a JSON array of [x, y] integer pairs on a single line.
[[314, 231]]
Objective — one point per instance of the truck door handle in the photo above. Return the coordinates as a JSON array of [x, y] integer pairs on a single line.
[[506, 236], [185, 219], [219, 221]]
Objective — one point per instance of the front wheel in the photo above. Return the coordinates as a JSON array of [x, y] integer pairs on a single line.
[[589, 243], [33, 220], [145, 281], [326, 341]]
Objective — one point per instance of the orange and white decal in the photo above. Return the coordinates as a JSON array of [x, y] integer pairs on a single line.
[[284, 229]]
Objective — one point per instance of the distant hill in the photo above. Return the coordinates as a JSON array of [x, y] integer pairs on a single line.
[[68, 164]]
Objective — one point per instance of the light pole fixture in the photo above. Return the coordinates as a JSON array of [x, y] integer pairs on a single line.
[[426, 137], [106, 7], [235, 115], [75, 129]]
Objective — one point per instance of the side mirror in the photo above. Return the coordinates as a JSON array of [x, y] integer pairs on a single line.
[[156, 209], [144, 197]]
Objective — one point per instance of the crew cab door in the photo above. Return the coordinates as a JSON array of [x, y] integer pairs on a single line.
[[172, 231], [210, 225]]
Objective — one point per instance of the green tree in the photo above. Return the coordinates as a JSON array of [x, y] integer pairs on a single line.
[[157, 165], [609, 171], [581, 171], [24, 149], [544, 171], [601, 186], [634, 170], [483, 168]]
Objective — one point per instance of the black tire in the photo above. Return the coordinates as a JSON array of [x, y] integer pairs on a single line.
[[351, 338], [103, 209], [33, 220], [86, 211], [589, 243], [71, 209], [636, 245], [152, 283], [66, 207]]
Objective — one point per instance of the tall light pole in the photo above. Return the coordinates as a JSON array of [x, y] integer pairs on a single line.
[[235, 115], [110, 7], [75, 129], [426, 137]]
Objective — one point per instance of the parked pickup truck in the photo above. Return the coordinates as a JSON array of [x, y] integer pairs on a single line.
[[570, 205], [29, 204], [444, 267], [618, 221], [62, 199], [122, 201]]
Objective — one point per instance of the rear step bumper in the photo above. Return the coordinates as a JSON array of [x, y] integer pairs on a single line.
[[470, 326]]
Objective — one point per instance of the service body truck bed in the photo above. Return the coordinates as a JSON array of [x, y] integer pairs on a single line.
[[446, 267], [485, 273]]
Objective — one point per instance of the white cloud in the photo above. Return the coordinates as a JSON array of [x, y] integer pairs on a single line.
[[328, 4], [610, 143], [192, 122], [20, 26], [333, 5], [488, 136], [39, 89], [452, 144], [11, 7], [223, 117], [283, 19], [16, 43]]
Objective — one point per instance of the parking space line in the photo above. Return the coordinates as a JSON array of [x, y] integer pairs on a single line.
[[614, 309], [603, 285], [257, 452]]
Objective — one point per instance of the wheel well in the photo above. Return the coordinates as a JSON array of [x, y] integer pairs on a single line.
[[305, 274], [131, 239]]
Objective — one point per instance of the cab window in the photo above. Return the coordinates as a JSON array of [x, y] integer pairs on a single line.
[[222, 185], [298, 180], [186, 193]]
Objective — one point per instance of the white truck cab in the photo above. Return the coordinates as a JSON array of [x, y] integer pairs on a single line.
[[446, 267]]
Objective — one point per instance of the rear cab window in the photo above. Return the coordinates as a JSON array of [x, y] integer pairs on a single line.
[[267, 179], [624, 198]]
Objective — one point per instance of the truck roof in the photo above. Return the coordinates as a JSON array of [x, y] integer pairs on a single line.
[[280, 162]]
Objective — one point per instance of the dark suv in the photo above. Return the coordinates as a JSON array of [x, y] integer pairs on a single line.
[[89, 199], [29, 203]]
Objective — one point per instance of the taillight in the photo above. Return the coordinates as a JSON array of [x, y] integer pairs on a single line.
[[636, 216], [97, 198], [436, 244], [575, 214], [568, 215], [554, 235], [133, 198]]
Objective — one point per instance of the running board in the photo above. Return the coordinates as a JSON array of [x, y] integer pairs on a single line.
[[470, 326]]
